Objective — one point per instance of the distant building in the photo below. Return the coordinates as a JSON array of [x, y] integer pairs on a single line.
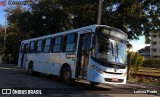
[[155, 46], [145, 52]]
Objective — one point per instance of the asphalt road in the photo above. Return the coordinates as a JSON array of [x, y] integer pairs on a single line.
[[12, 77]]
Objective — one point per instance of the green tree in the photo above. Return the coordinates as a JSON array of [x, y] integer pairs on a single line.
[[1, 38], [17, 30], [134, 17], [13, 42], [48, 17], [45, 17], [136, 60], [1, 35], [82, 13]]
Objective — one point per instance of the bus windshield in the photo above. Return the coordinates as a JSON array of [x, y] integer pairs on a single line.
[[109, 50]]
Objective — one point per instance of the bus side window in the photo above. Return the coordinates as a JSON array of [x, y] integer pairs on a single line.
[[31, 47], [39, 46], [47, 43], [70, 43], [56, 47]]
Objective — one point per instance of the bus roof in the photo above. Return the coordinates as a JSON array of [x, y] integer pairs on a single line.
[[91, 27]]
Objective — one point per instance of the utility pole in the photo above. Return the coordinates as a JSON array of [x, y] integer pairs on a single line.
[[4, 39], [99, 12], [152, 34]]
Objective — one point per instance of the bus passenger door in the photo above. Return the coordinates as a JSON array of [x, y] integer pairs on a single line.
[[83, 55], [24, 54]]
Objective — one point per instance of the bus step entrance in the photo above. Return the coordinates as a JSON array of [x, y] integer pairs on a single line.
[[81, 77]]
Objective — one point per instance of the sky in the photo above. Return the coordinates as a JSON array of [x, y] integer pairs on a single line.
[[137, 44], [2, 19]]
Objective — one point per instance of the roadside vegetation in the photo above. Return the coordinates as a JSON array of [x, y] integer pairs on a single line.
[[152, 62], [148, 72], [146, 75], [136, 60]]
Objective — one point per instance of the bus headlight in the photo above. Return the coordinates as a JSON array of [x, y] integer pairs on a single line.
[[97, 69]]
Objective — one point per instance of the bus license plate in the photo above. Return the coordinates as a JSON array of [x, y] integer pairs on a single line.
[[115, 79]]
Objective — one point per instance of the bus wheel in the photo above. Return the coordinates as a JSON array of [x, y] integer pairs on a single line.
[[66, 75], [30, 69], [94, 83]]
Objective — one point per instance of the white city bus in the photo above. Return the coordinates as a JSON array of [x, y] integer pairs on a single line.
[[95, 53]]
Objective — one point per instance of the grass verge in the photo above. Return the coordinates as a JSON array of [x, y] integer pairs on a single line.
[[146, 75]]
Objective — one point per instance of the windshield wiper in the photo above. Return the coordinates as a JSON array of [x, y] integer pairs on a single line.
[[112, 48], [117, 48]]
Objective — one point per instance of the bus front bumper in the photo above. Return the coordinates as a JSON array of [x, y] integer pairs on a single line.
[[95, 76]]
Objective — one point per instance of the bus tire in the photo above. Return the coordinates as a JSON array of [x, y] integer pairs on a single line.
[[66, 75], [30, 69], [94, 83]]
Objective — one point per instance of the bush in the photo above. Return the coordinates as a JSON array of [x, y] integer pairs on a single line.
[[154, 63], [136, 60]]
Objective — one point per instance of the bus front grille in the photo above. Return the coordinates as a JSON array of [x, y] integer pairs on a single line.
[[117, 66], [113, 73]]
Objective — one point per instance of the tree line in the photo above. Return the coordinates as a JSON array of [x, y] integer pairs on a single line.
[[134, 17]]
